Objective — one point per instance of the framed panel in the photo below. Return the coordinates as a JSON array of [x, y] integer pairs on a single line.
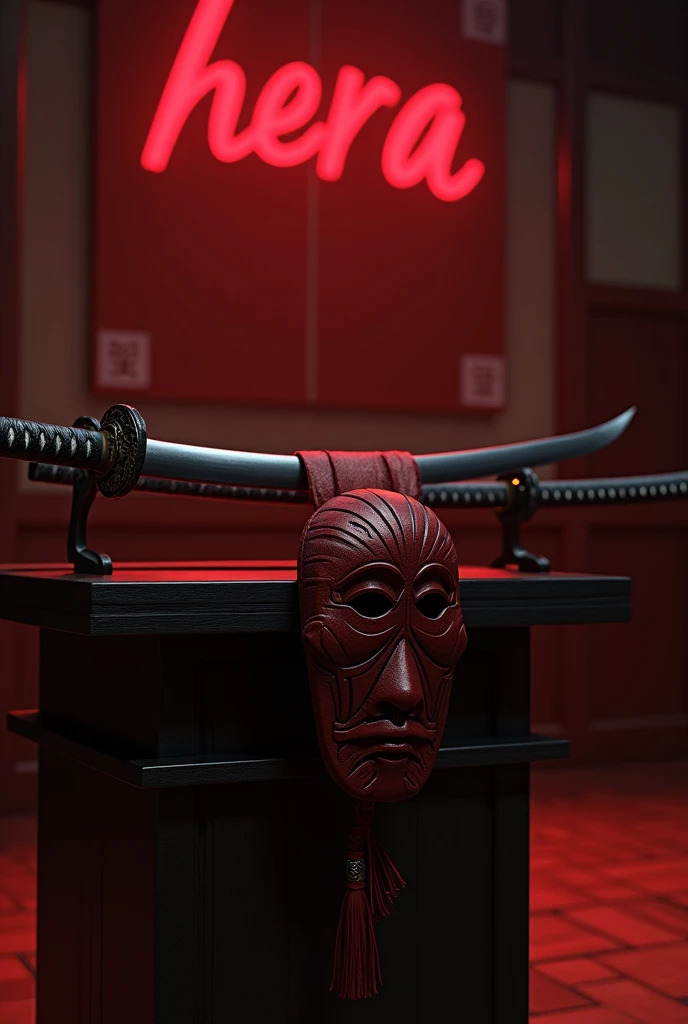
[[332, 252], [634, 193], [639, 39], [535, 28], [635, 359]]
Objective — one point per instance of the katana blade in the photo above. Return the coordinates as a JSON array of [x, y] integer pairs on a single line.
[[479, 462], [119, 454], [286, 472]]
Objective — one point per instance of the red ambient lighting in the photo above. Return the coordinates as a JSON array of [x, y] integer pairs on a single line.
[[421, 143]]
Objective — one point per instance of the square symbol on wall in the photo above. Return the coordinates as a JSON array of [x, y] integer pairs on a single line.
[[123, 359], [485, 21], [483, 382]]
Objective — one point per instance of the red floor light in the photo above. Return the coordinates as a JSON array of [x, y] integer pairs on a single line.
[[609, 899]]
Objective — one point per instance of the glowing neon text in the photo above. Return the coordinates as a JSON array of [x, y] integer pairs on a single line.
[[420, 144]]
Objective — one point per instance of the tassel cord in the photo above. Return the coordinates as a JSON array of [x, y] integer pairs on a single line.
[[356, 973]]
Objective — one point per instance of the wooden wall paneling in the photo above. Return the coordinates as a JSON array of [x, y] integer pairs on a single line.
[[11, 142], [550, 41], [535, 28], [663, 89], [17, 782], [633, 699], [608, 298], [639, 359], [634, 194], [637, 672], [12, 116], [145, 527], [477, 542], [571, 313], [571, 220], [642, 40]]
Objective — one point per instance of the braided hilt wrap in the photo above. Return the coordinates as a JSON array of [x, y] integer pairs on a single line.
[[45, 442], [628, 490], [617, 491], [114, 454]]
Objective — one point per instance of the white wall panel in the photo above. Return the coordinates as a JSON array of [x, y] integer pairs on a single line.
[[633, 192]]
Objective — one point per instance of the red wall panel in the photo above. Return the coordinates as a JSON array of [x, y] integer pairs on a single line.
[[258, 283]]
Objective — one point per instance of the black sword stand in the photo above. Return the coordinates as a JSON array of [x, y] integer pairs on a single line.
[[84, 491], [521, 503], [83, 558]]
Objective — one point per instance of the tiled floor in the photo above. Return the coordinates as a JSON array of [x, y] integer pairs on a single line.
[[17, 920], [609, 896], [609, 899]]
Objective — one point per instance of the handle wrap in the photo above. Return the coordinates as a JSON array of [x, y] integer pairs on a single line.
[[45, 442], [628, 490], [565, 493]]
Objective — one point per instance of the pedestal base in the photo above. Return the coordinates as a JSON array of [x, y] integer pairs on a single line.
[[191, 847]]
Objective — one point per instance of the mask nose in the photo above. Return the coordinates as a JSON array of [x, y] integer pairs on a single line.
[[399, 690]]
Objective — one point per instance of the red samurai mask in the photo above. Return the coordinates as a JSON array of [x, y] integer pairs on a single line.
[[383, 631]]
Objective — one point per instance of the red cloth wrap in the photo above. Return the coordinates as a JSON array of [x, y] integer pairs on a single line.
[[333, 473]]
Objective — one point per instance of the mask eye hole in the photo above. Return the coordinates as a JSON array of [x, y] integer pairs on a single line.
[[432, 605], [371, 604]]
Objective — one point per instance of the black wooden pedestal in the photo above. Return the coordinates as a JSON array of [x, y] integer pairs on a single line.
[[191, 846]]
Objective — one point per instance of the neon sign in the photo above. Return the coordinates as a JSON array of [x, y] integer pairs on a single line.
[[421, 143]]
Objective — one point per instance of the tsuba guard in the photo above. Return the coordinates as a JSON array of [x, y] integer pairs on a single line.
[[125, 432]]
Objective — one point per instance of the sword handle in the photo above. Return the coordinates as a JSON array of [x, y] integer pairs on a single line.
[[628, 490], [114, 454], [46, 442]]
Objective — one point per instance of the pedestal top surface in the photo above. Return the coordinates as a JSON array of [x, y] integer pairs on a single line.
[[220, 597]]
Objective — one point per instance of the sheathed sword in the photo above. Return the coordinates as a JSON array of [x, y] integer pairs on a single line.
[[495, 495], [515, 499], [118, 453]]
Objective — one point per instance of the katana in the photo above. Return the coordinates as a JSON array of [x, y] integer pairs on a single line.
[[627, 490], [119, 454]]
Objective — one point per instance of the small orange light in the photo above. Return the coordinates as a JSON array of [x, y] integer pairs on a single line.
[[515, 481]]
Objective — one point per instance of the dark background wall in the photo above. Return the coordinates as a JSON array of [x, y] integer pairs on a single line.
[[597, 305]]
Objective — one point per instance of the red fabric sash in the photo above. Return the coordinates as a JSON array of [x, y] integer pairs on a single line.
[[333, 473]]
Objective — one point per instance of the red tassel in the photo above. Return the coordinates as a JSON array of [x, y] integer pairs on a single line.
[[356, 962], [384, 881]]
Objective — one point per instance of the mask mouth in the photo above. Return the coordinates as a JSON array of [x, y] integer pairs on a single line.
[[382, 748], [394, 751], [380, 731]]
